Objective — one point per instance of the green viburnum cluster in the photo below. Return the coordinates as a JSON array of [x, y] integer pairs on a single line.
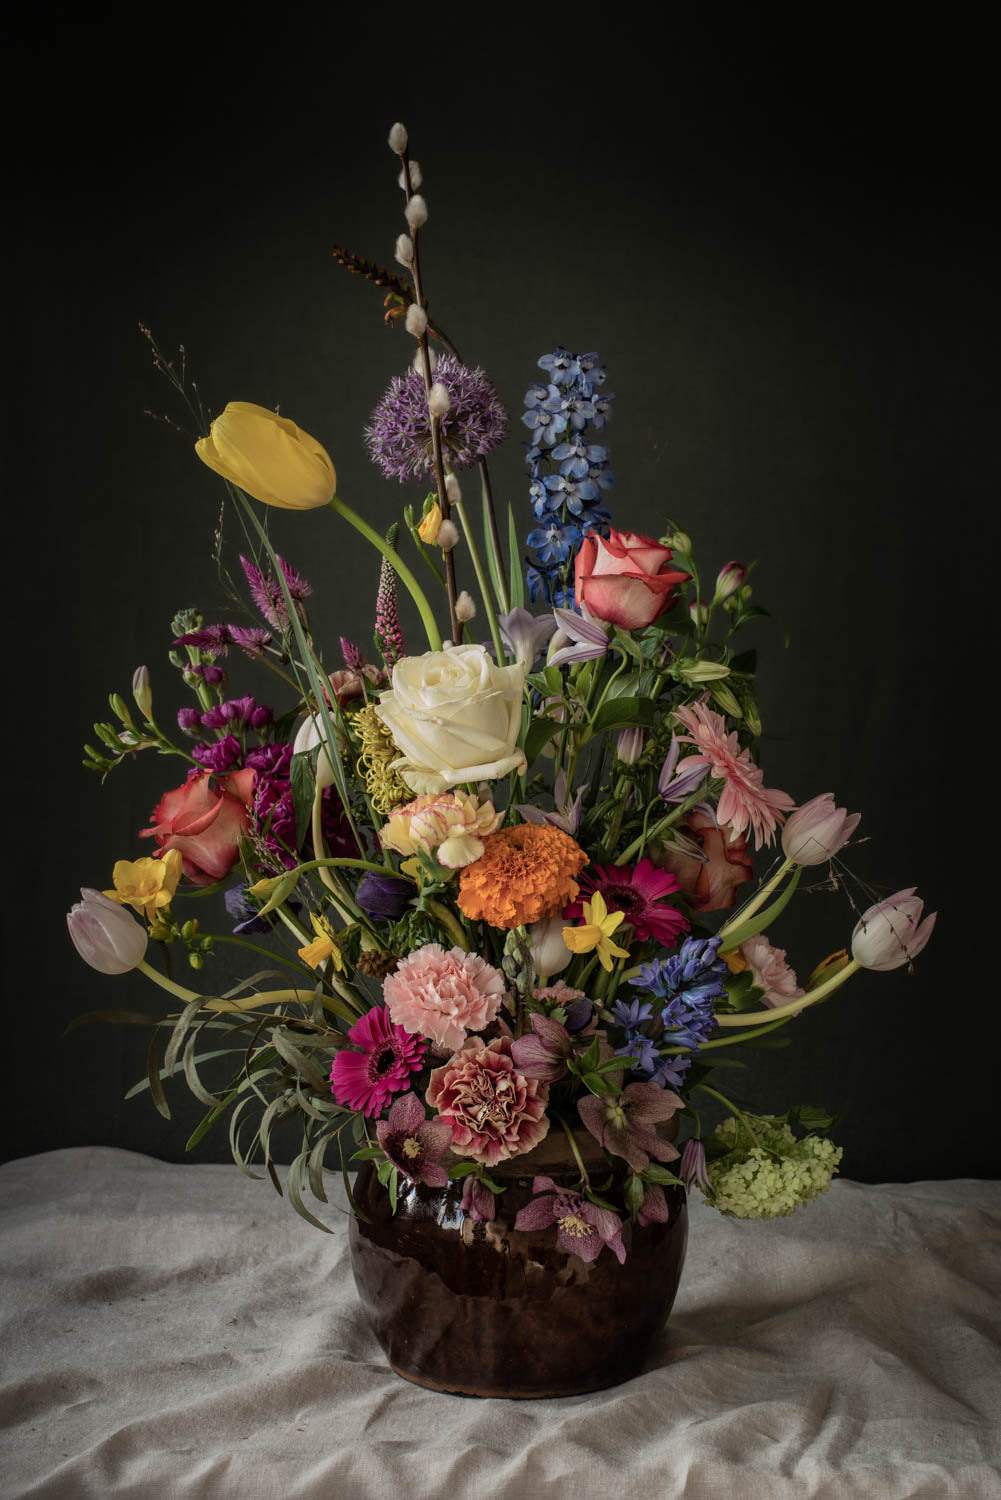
[[769, 1177]]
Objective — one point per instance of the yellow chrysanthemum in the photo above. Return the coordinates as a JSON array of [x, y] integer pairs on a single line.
[[524, 874], [323, 946], [596, 932], [147, 885]]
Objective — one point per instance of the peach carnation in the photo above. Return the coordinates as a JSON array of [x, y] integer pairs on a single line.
[[449, 824], [443, 995], [525, 874], [494, 1111], [770, 971]]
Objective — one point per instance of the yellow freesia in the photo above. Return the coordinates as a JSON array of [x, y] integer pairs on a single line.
[[323, 946], [431, 525], [596, 932], [269, 457], [147, 885]]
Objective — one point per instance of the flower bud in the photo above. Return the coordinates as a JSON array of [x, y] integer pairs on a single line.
[[118, 708], [465, 608], [815, 832], [438, 402], [452, 489], [416, 176], [448, 535], [142, 692], [727, 701], [275, 891], [105, 935], [692, 670], [398, 139], [693, 1165], [728, 580], [404, 250], [417, 320], [832, 964], [550, 954], [310, 735], [698, 613], [629, 745], [418, 361], [416, 212], [891, 933], [678, 541], [431, 524]]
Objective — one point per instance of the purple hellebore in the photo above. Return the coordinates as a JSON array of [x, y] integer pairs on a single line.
[[625, 1124], [653, 1209], [525, 634], [583, 1227], [545, 1054], [589, 640], [477, 1201], [413, 1143]]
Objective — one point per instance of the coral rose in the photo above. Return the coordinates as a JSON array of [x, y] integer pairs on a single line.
[[204, 819], [495, 1112], [626, 579], [710, 884]]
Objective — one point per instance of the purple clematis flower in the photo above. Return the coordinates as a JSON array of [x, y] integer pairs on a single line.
[[543, 1055], [588, 638], [693, 1165], [584, 1228], [674, 785], [525, 634], [414, 1144], [625, 1124]]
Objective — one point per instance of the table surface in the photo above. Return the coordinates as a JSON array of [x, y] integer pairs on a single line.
[[178, 1331]]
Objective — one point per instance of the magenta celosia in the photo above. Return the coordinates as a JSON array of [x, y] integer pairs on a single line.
[[368, 1079]]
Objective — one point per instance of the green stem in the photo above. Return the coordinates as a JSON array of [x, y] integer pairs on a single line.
[[780, 1012], [482, 581], [268, 997], [731, 1041], [734, 1111], [756, 901], [585, 1179], [639, 844], [450, 922], [406, 577]]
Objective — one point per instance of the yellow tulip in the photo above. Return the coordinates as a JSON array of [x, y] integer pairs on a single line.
[[269, 457]]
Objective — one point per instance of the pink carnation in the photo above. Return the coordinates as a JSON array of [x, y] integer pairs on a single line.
[[443, 995], [770, 970], [745, 800], [494, 1111]]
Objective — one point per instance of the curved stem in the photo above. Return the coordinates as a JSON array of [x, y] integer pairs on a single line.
[[639, 844], [576, 1152], [762, 1017], [736, 1112], [756, 902], [266, 997], [482, 580], [406, 577]]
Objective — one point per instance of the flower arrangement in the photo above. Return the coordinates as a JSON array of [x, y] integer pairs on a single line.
[[503, 879]]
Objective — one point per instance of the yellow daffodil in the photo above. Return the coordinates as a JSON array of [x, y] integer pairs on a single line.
[[735, 961], [147, 885], [596, 932], [323, 946]]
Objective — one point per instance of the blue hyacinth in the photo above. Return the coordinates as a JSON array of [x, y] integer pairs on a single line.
[[568, 472]]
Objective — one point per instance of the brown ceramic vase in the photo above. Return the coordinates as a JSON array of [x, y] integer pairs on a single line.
[[484, 1309]]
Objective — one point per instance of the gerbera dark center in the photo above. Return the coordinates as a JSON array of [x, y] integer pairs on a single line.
[[623, 898], [383, 1062]]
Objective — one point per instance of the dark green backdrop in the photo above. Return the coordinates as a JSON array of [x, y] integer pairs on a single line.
[[778, 243]]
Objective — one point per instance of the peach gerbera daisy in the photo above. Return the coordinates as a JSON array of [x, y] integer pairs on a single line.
[[745, 801], [524, 874]]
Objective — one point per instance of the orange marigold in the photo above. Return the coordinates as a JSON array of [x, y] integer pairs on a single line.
[[524, 874]]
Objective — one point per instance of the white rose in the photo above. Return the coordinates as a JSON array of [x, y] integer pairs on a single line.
[[456, 717]]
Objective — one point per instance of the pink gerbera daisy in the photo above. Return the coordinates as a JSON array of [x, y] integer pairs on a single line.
[[745, 801], [366, 1080], [639, 891]]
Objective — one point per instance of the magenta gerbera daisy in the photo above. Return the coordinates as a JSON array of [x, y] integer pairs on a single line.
[[368, 1079], [745, 801], [640, 891]]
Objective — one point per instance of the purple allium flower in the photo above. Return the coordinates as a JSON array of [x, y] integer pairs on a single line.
[[544, 1054], [385, 895], [366, 1080], [267, 593], [222, 755], [413, 1143], [624, 1124], [693, 1165], [190, 721], [584, 1228], [398, 436], [477, 1201]]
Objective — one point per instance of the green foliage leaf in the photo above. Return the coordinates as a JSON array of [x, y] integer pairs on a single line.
[[656, 1173], [462, 1169], [764, 918], [623, 713], [540, 732], [634, 1194], [302, 775], [597, 1084], [153, 1078], [294, 1184], [517, 572], [113, 1017]]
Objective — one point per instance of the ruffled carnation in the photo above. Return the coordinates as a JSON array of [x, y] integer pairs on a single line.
[[525, 874], [450, 825], [770, 971], [443, 995], [495, 1112]]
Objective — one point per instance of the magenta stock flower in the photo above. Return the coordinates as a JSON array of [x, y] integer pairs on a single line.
[[745, 801], [413, 1143], [584, 1228], [640, 891], [815, 832], [625, 1124], [366, 1080], [891, 933]]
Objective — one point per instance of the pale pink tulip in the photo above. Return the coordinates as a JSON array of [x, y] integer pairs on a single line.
[[891, 933], [815, 832]]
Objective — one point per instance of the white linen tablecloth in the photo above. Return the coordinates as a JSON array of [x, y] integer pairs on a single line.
[[174, 1331]]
